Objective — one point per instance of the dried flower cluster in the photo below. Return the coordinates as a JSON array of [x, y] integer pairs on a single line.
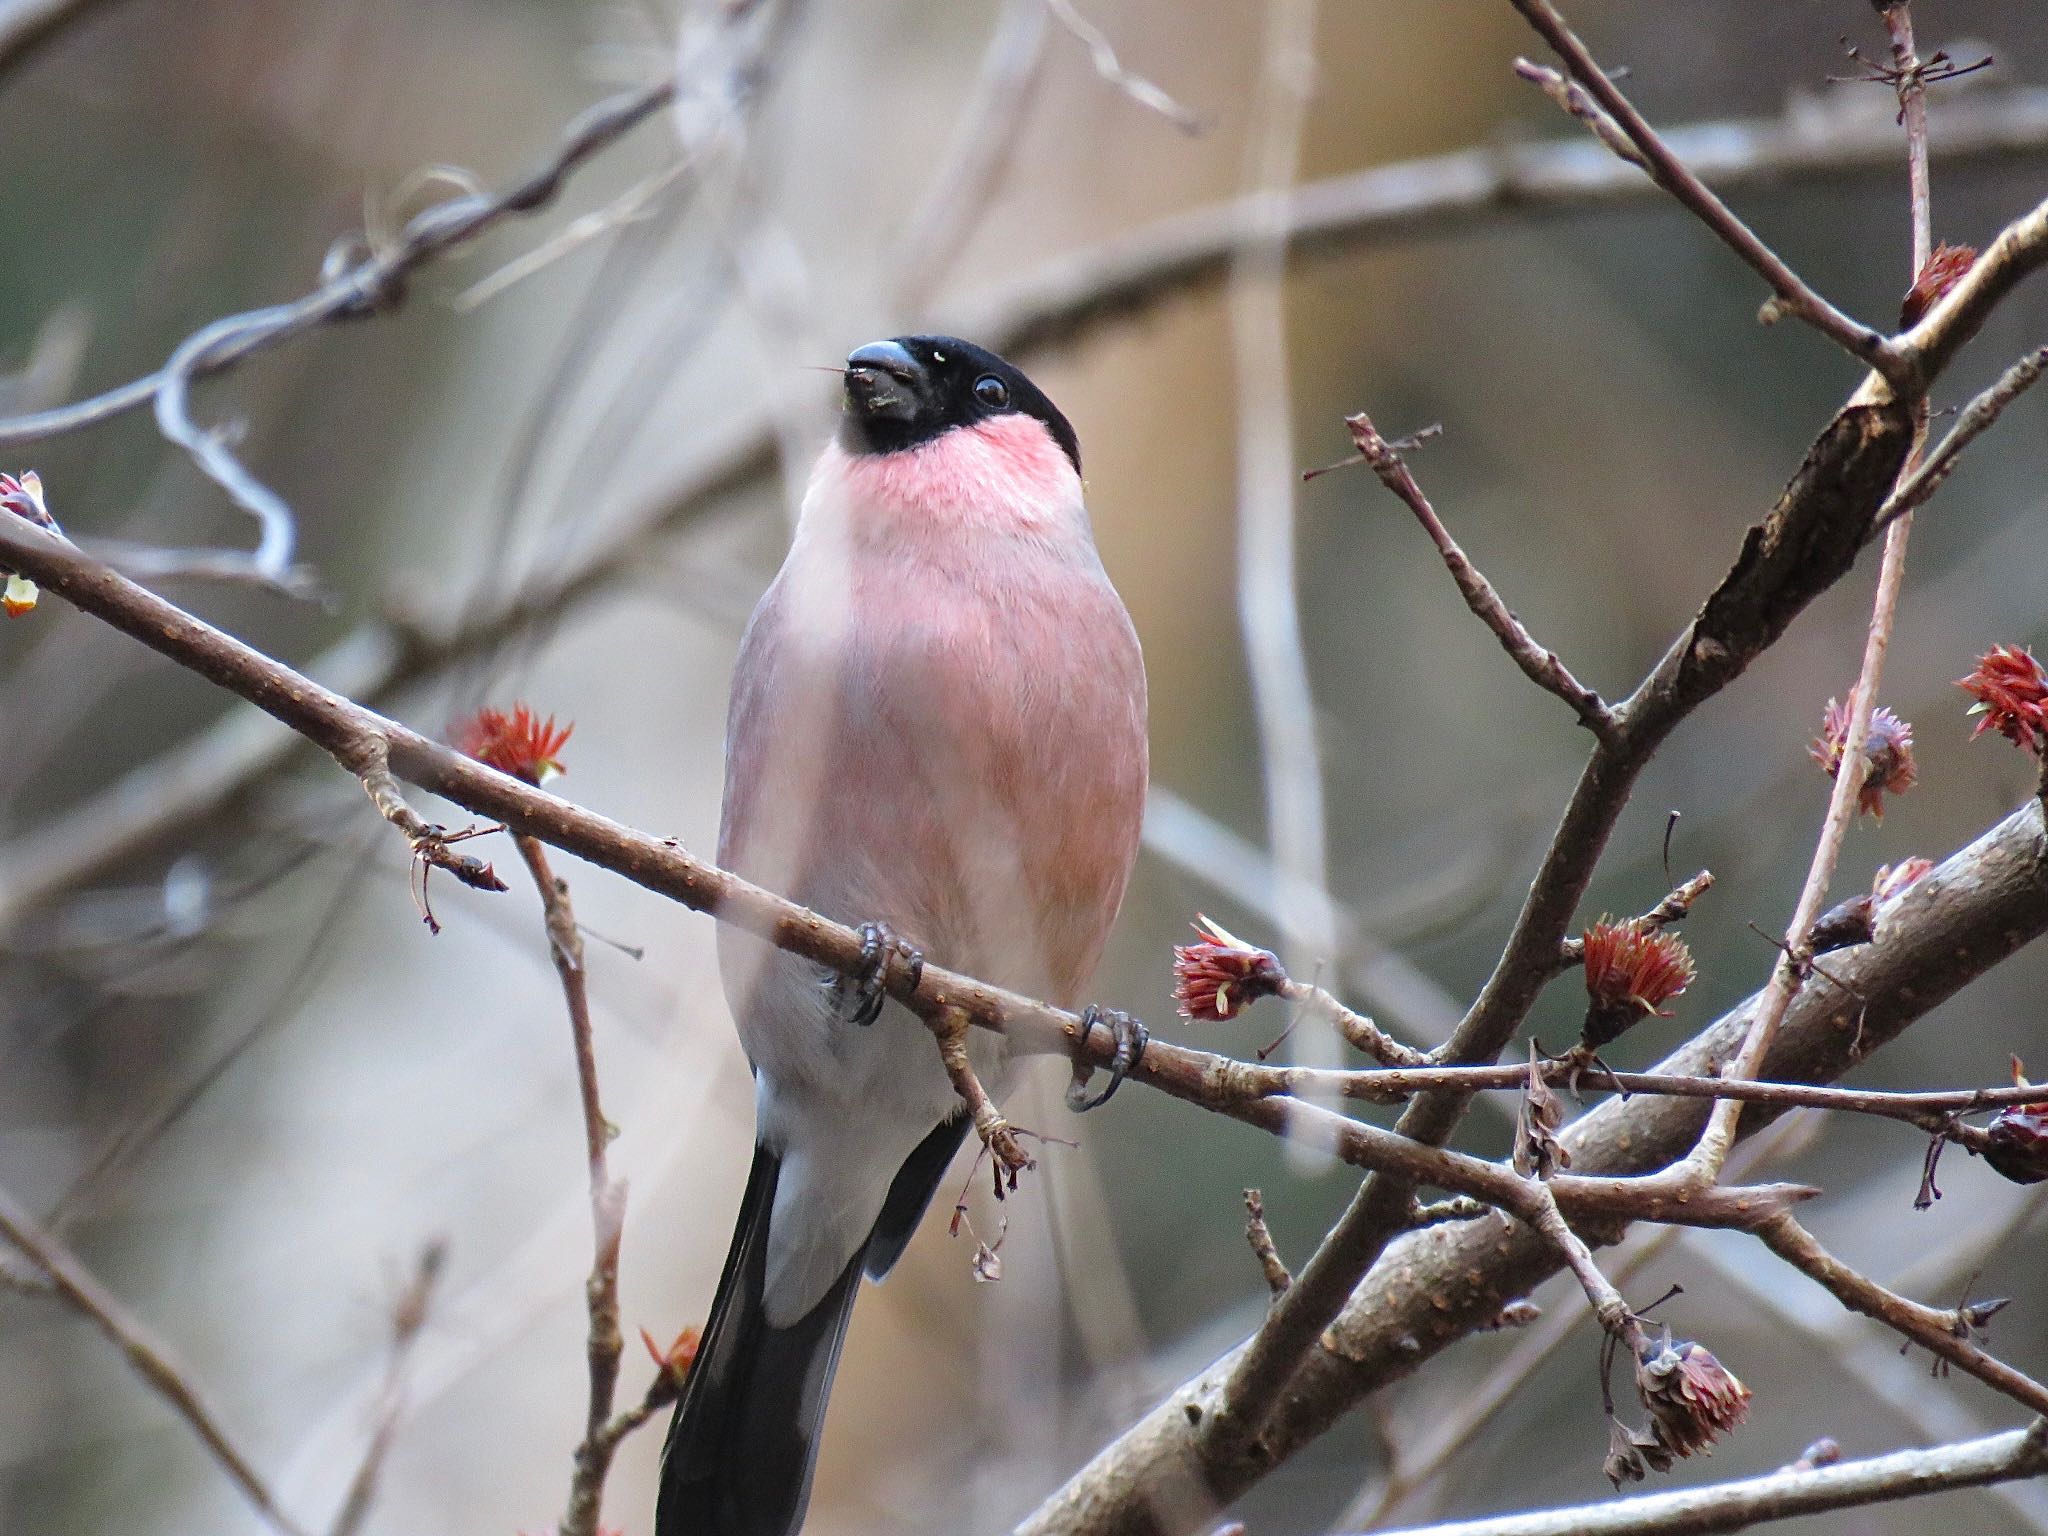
[[1692, 1397], [1693, 1400], [23, 496], [2016, 1140], [518, 743], [2011, 691], [1887, 750], [1217, 975], [1944, 269], [1632, 969], [1539, 1153]]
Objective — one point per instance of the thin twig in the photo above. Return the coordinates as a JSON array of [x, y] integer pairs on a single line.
[[1271, 1265], [368, 756], [1361, 1032], [1103, 56], [72, 1281], [996, 1133], [1793, 294], [1911, 84], [1442, 1285], [1844, 802], [1933, 1328], [1915, 489], [1539, 664], [408, 1317], [1736, 1506], [1268, 597], [992, 126], [1613, 1312], [1446, 1429], [373, 281], [607, 1198]]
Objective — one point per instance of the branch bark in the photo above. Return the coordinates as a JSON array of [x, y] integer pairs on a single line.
[[1739, 1505], [354, 735]]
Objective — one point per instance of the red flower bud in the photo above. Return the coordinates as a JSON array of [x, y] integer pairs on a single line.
[[520, 744], [1944, 269], [24, 498], [1887, 748], [1217, 975], [1632, 969], [680, 1355], [2011, 691], [2016, 1140]]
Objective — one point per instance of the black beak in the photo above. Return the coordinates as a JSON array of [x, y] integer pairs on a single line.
[[884, 380]]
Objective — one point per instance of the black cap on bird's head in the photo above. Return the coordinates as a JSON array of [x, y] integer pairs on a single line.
[[905, 392]]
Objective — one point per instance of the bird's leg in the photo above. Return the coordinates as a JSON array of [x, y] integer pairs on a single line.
[[996, 1133], [1130, 1038], [858, 998]]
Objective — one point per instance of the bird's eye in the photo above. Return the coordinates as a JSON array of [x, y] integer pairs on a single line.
[[991, 391]]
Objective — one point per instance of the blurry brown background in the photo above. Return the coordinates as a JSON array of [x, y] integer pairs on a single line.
[[1614, 420]]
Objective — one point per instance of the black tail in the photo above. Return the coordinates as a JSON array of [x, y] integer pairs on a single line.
[[744, 1440]]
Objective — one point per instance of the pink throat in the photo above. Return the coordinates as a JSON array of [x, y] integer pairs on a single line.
[[1006, 472]]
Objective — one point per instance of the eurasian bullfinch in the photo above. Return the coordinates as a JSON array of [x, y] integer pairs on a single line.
[[937, 731]]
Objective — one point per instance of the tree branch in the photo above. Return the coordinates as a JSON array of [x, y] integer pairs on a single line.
[[1063, 301], [1437, 1286], [1736, 1506], [1941, 1332], [72, 1281], [355, 735], [408, 1317], [1972, 422], [607, 1198], [1670, 173], [1538, 663], [1844, 801], [373, 281]]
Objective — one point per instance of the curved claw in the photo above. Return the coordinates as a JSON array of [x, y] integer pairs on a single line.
[[1131, 1040], [859, 997]]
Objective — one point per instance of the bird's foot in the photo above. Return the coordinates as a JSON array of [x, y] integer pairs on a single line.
[[858, 998], [1131, 1040]]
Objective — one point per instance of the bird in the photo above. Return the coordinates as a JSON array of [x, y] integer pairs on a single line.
[[937, 734]]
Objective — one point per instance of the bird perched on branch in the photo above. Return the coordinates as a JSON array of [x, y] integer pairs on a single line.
[[937, 732]]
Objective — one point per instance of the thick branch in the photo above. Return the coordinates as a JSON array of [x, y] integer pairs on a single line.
[[942, 998], [1439, 1285], [1739, 1505]]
